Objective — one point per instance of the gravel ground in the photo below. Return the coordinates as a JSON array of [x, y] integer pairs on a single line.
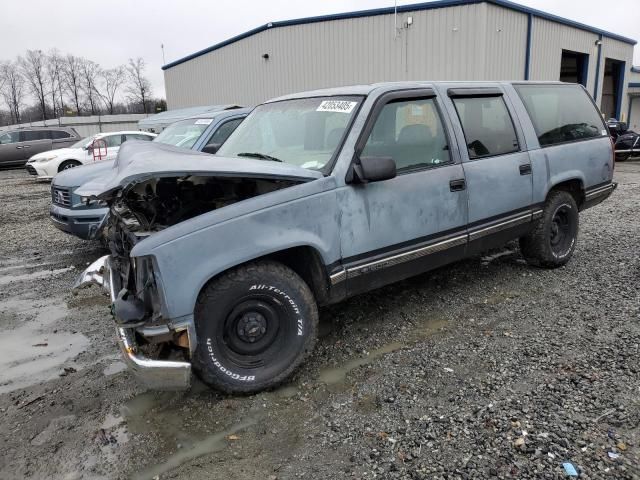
[[487, 368]]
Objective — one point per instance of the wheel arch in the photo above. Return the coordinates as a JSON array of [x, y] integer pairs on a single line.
[[574, 186], [305, 260], [67, 160]]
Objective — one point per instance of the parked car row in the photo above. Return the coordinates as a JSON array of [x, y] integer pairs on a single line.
[[82, 217], [17, 146], [224, 259]]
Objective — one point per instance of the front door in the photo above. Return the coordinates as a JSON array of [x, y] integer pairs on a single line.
[[496, 167], [416, 221], [10, 148]]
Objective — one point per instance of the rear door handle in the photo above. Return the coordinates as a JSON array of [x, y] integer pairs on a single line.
[[18, 147], [457, 185], [27, 146], [525, 169]]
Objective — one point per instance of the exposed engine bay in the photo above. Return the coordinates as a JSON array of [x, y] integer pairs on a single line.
[[158, 203]]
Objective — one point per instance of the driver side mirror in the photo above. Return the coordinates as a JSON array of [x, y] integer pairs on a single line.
[[211, 148], [373, 169]]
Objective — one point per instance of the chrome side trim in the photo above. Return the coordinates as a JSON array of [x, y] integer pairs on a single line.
[[338, 277], [537, 214], [483, 232], [406, 256], [606, 190]]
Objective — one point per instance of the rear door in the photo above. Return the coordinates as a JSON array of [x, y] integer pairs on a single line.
[[34, 141], [416, 221], [113, 145], [496, 166], [9, 151]]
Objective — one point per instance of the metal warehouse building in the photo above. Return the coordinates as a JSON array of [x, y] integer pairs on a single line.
[[443, 40]]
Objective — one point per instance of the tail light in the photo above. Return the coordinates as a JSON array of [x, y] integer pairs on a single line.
[[613, 155]]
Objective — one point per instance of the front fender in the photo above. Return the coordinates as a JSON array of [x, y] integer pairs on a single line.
[[186, 263]]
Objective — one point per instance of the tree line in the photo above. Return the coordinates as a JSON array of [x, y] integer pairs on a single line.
[[45, 85]]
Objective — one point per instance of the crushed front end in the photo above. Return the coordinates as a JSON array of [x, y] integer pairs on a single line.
[[145, 335]]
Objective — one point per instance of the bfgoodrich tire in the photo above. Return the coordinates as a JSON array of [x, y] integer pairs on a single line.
[[552, 241], [255, 325]]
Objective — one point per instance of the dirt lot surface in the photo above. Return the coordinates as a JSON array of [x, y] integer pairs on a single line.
[[487, 368]]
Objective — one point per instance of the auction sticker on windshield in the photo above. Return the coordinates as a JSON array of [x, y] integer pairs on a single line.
[[340, 106], [204, 121]]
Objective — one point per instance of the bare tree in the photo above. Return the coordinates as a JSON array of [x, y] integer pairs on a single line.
[[12, 89], [72, 74], [139, 89], [112, 80], [54, 74], [33, 66], [89, 71]]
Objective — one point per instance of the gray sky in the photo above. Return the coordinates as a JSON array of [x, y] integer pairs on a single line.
[[109, 32]]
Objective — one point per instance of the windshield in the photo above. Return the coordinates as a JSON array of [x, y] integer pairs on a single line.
[[82, 143], [184, 133], [305, 132]]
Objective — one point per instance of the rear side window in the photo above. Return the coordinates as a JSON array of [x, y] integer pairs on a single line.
[[487, 125], [32, 135], [113, 140], [58, 134], [561, 113]]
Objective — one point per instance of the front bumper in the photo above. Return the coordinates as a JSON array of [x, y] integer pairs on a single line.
[[155, 374], [38, 170], [82, 223]]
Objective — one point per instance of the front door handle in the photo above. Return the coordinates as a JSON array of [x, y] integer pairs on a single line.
[[18, 147], [457, 185], [525, 169]]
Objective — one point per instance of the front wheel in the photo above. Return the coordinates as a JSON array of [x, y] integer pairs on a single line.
[[255, 325], [67, 164], [552, 241]]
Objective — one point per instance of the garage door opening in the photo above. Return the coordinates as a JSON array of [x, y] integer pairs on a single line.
[[612, 87], [574, 67]]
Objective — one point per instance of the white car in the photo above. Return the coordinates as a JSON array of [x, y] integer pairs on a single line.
[[45, 165]]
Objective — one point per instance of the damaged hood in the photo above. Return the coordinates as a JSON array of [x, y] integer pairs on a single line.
[[139, 161]]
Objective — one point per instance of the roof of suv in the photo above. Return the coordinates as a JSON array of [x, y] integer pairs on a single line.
[[366, 89]]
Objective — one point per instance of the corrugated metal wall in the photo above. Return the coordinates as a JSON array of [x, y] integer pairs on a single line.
[[473, 42], [470, 42]]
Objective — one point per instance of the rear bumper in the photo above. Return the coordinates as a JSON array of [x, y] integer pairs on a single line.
[[82, 223], [155, 374]]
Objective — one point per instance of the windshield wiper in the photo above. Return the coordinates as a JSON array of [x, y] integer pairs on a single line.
[[261, 156]]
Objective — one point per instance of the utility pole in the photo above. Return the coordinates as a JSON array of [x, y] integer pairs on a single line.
[[162, 48]]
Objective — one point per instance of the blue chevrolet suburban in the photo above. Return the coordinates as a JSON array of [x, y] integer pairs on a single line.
[[322, 195]]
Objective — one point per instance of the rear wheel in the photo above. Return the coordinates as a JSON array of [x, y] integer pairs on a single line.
[[67, 164], [255, 325], [552, 241]]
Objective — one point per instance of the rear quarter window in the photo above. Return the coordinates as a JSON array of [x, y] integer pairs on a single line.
[[561, 113]]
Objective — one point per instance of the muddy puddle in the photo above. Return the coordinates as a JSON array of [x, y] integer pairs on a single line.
[[34, 350], [426, 326], [164, 415]]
